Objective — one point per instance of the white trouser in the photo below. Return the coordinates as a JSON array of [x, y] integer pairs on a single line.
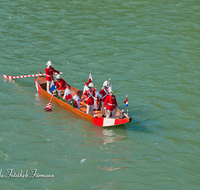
[[78, 105], [49, 85], [90, 109], [113, 113], [59, 92], [102, 108]]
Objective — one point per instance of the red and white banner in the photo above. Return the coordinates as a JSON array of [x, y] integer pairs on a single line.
[[90, 78]]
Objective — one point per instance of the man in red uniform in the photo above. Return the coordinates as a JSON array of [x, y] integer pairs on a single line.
[[90, 99], [104, 93], [49, 75], [60, 84], [111, 103]]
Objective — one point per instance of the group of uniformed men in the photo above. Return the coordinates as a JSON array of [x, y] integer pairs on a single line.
[[92, 96]]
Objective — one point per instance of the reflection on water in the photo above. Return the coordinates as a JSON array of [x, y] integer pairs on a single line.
[[8, 80], [37, 97], [107, 135], [106, 168]]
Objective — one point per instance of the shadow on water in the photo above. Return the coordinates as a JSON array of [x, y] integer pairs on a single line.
[[132, 126], [137, 127], [117, 133]]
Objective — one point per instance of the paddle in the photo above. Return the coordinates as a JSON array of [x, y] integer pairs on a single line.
[[24, 76], [48, 106]]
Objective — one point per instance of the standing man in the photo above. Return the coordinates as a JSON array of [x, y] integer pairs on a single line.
[[60, 84], [104, 93], [111, 103], [49, 76], [90, 99]]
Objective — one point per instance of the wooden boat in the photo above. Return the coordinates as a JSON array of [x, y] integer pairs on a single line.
[[120, 117]]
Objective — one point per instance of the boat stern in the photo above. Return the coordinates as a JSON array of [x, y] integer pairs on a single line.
[[107, 122]]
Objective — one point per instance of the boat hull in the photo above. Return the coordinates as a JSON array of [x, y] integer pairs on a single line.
[[40, 82]]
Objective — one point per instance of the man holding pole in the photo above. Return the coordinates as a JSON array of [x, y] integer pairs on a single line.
[[104, 93], [49, 76], [90, 99]]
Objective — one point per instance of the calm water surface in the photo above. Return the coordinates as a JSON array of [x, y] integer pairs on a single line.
[[149, 49]]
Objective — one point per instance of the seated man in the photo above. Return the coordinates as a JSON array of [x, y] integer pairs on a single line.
[[111, 103], [77, 100], [67, 94], [60, 84]]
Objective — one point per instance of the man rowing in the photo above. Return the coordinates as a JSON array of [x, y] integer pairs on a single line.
[[111, 103], [49, 76], [60, 84], [104, 93]]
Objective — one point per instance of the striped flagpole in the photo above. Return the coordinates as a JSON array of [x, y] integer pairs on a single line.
[[126, 102], [25, 76], [96, 106]]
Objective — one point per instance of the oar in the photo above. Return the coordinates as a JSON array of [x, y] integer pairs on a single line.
[[48, 106], [24, 76]]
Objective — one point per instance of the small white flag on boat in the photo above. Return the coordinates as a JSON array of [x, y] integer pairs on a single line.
[[90, 78]]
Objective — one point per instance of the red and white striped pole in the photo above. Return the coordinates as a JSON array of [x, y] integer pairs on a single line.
[[48, 106], [24, 76], [96, 106]]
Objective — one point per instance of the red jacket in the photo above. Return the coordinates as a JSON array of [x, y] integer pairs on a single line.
[[90, 97], [61, 85], [104, 93], [111, 101], [49, 73]]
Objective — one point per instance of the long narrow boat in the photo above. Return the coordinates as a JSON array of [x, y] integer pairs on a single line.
[[120, 117]]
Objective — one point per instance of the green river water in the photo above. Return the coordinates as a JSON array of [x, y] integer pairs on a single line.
[[150, 50]]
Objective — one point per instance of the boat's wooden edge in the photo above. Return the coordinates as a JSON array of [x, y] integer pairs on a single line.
[[100, 121]]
